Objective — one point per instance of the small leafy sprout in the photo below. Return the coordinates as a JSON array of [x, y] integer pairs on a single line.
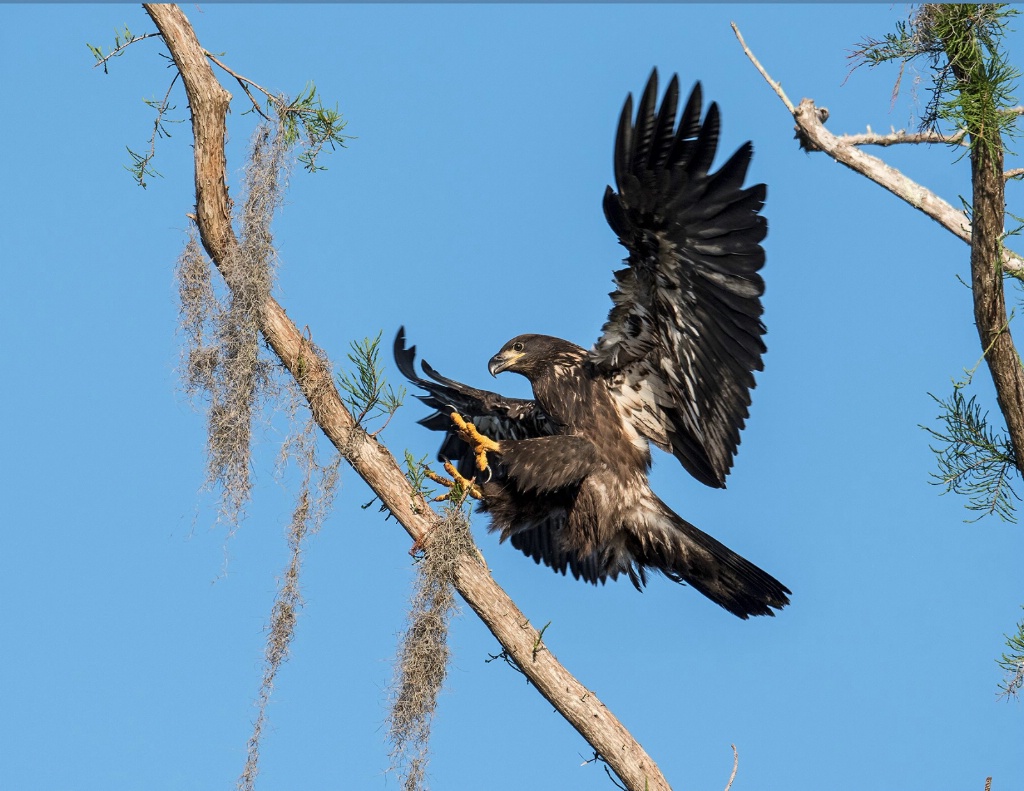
[[140, 168], [366, 394], [415, 472], [538, 642]]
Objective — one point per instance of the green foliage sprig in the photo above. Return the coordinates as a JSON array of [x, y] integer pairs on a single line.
[[141, 166], [1013, 663], [975, 460], [367, 395], [415, 472], [123, 39], [306, 119], [972, 78]]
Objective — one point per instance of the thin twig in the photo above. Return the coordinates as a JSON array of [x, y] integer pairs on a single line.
[[735, 766], [775, 86], [245, 82], [141, 166], [160, 111], [1016, 173], [122, 47]]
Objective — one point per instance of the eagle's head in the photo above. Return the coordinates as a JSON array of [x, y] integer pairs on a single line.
[[531, 355]]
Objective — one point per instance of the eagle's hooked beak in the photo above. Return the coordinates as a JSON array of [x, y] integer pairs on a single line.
[[501, 361]]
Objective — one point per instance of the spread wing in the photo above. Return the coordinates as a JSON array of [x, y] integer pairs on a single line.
[[684, 335], [493, 415]]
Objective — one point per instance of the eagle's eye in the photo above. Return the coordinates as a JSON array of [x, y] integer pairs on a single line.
[[517, 346]]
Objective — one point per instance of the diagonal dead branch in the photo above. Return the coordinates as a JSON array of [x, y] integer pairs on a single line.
[[209, 103], [813, 136], [777, 87]]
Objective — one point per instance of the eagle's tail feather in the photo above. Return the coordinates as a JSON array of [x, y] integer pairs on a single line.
[[687, 554]]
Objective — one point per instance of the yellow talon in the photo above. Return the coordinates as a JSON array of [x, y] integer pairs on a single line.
[[477, 441], [458, 487]]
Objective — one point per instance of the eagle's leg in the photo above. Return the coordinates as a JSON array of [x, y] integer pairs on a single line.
[[480, 444]]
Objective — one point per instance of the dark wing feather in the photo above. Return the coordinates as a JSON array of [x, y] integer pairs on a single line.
[[684, 335], [493, 415]]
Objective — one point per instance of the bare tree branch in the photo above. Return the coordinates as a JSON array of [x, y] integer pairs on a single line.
[[813, 136], [245, 82], [209, 103], [870, 138], [735, 766], [775, 86]]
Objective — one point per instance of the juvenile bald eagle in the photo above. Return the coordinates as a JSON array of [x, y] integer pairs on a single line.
[[674, 366]]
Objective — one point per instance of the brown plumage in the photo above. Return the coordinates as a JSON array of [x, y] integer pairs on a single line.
[[673, 366]]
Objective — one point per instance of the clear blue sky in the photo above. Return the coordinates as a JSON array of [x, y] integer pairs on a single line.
[[468, 209]]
